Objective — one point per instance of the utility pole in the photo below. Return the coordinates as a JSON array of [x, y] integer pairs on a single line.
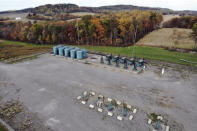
[[78, 30], [134, 36]]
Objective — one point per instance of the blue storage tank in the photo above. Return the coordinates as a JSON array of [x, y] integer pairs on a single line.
[[79, 55], [55, 50], [73, 53], [84, 53], [67, 52], [61, 51]]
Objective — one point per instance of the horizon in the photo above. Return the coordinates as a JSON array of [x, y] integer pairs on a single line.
[[11, 5]]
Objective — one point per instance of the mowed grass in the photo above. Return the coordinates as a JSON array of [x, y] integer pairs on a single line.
[[169, 37], [13, 49], [147, 52]]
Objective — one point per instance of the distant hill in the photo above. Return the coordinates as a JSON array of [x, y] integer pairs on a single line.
[[72, 8]]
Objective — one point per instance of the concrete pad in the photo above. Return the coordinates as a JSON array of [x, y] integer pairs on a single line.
[[129, 107], [91, 106], [159, 117], [42, 89], [154, 130], [134, 111], [118, 102], [130, 117], [110, 114], [85, 93], [149, 121], [119, 118], [167, 128], [99, 103], [109, 99], [79, 97], [65, 83], [100, 110], [83, 102], [100, 96], [92, 93]]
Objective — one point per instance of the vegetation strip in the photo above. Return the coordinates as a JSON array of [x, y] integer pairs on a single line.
[[147, 52], [140, 52], [7, 127]]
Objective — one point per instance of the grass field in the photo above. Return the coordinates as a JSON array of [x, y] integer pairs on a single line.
[[147, 52], [11, 49], [169, 37], [168, 17], [82, 13]]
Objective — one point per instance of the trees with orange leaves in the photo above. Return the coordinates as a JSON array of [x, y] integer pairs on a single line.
[[99, 30], [114, 29]]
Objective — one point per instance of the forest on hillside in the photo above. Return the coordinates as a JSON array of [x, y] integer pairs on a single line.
[[115, 29], [186, 22], [51, 10]]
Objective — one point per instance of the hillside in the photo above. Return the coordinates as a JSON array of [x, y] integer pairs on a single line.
[[169, 37], [72, 8], [168, 17]]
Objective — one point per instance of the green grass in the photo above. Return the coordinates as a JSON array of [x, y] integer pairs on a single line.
[[12, 50], [2, 128], [8, 42], [140, 52], [146, 52]]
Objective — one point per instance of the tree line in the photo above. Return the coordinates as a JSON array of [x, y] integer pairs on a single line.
[[194, 34], [114, 29], [182, 22]]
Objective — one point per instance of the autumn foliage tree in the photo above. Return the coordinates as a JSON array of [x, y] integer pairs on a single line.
[[182, 22], [112, 29]]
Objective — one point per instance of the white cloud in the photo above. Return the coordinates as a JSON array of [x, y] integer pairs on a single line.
[[173, 4]]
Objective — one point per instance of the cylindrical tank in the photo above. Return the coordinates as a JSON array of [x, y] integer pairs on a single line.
[[79, 55], [55, 50], [61, 51], [67, 52], [73, 53], [84, 53]]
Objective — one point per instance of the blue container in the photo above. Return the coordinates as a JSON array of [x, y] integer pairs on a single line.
[[61, 51], [67, 52], [84, 53], [73, 54], [55, 50], [79, 55]]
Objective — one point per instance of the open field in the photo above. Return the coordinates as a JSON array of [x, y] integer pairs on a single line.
[[13, 16], [10, 50], [146, 52], [48, 87], [168, 17], [169, 37], [82, 13]]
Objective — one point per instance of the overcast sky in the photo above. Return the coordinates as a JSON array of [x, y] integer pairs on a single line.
[[172, 4]]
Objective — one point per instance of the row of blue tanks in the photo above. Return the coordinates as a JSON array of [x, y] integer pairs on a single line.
[[70, 51]]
